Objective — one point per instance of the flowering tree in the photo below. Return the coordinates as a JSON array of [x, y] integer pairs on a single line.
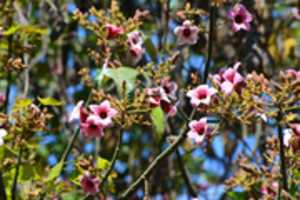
[[149, 100]]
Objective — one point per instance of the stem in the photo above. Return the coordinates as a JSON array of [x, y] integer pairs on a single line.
[[210, 42], [2, 188], [282, 158], [169, 150], [114, 158], [185, 174], [70, 146], [15, 183], [146, 190]]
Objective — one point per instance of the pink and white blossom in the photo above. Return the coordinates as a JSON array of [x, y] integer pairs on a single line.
[[136, 53], [75, 114], [113, 31], [105, 113], [241, 18], [90, 183], [229, 80], [296, 13], [135, 38], [287, 135], [201, 95], [296, 128], [187, 34], [199, 130], [92, 127], [293, 73]]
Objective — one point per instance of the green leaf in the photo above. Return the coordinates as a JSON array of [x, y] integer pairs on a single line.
[[120, 75], [32, 29], [237, 195], [49, 101], [22, 103], [55, 171], [151, 49], [158, 120], [102, 163]]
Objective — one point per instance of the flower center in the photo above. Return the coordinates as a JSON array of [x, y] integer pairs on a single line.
[[202, 94], [239, 19], [200, 129], [186, 32], [90, 184], [166, 89], [103, 115]]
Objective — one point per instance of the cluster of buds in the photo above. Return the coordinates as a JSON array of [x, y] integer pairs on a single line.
[[164, 96], [95, 120], [15, 64]]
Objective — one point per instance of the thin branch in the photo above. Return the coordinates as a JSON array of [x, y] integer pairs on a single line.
[[283, 169], [185, 175], [15, 183], [146, 190], [114, 158], [169, 150], [210, 42], [2, 188]]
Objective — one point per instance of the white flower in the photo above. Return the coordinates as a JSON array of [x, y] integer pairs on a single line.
[[287, 136], [3, 133]]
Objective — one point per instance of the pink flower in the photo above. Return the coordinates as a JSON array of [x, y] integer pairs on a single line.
[[92, 127], [105, 113], [201, 95], [293, 73], [2, 98], [89, 183], [113, 31], [75, 114], [199, 130], [296, 128], [134, 39], [270, 190], [169, 88], [240, 17], [229, 79], [296, 13], [158, 97], [187, 34], [136, 53]]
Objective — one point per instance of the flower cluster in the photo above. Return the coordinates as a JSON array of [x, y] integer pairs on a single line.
[[229, 79], [95, 120], [164, 96]]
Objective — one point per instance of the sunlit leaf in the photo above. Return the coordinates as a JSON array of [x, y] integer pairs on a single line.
[[55, 171], [102, 163], [22, 103], [49, 101], [158, 120]]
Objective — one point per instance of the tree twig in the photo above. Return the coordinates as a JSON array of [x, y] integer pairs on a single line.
[[185, 175], [169, 150], [210, 42], [15, 182], [283, 169], [114, 158]]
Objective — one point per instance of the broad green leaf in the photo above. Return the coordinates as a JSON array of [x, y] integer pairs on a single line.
[[13, 29], [71, 195], [22, 103], [120, 75], [55, 171], [236, 195], [158, 120], [49, 101], [102, 163]]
